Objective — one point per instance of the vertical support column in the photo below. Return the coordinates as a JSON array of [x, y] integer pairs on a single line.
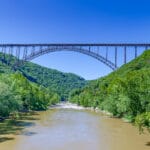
[[116, 56], [146, 48], [1, 53], [48, 47], [4, 53], [41, 49], [11, 51], [10, 55], [80, 47], [135, 51], [89, 48], [125, 55], [33, 50], [24, 53], [106, 52], [97, 50], [58, 47], [0, 49], [18, 53]]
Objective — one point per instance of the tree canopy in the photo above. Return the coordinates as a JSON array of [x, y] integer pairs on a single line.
[[124, 93]]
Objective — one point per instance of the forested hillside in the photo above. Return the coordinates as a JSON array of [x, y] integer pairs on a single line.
[[59, 82], [32, 87], [125, 92]]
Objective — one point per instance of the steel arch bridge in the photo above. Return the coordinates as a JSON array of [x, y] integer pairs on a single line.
[[99, 51]]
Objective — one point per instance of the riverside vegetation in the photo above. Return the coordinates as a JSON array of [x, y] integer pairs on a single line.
[[125, 93], [32, 87]]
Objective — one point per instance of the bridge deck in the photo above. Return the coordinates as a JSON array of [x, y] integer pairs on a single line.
[[80, 44]]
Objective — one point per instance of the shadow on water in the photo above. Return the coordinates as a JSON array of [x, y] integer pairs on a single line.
[[28, 133], [3, 139], [147, 144], [15, 127]]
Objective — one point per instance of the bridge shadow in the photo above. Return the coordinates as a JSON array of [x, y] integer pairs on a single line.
[[10, 128]]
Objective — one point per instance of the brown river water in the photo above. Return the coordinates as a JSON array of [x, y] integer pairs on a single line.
[[73, 128]]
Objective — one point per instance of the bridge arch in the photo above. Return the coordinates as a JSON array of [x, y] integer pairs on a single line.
[[79, 50]]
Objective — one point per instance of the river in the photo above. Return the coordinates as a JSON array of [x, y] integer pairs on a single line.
[[68, 127]]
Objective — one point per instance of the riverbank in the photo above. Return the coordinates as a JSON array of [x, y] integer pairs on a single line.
[[71, 127], [68, 105]]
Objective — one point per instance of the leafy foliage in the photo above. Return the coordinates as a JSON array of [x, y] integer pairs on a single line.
[[124, 93], [7, 105], [33, 87], [143, 121], [17, 94]]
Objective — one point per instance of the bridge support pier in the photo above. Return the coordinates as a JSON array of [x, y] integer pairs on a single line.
[[10, 54], [116, 56], [24, 53], [18, 53], [125, 55], [4, 53], [107, 53], [135, 51]]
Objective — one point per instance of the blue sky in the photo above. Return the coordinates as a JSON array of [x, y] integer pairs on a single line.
[[74, 21]]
